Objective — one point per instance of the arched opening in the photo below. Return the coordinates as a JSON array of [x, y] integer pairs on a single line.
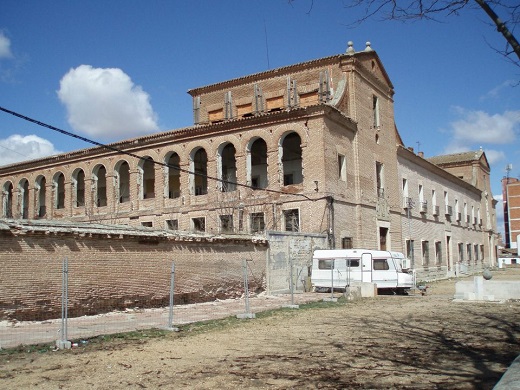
[[199, 167], [173, 176], [7, 195], [40, 196], [228, 168], [24, 198], [99, 175], [59, 191], [78, 178], [147, 172], [122, 172], [257, 164], [291, 157]]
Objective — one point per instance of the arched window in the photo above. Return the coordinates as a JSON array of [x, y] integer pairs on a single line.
[[40, 195], [122, 172], [291, 157], [173, 176], [59, 190], [228, 168], [147, 173], [257, 164], [99, 175], [199, 167], [7, 200], [78, 178], [24, 198]]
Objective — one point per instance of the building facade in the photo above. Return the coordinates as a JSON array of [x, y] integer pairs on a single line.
[[310, 147], [511, 199]]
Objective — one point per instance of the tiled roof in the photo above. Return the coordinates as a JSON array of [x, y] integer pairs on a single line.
[[474, 155]]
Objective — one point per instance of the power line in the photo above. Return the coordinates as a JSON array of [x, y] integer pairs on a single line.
[[120, 151]]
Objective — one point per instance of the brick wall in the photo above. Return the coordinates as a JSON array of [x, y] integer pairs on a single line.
[[107, 273]]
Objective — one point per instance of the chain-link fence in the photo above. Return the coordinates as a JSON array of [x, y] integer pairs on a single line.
[[78, 305]]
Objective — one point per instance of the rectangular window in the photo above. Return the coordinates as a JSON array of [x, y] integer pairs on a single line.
[[353, 263], [380, 265], [380, 180], [226, 223], [461, 252], [476, 252], [409, 249], [172, 224], [292, 220], [347, 243], [375, 111], [326, 264], [245, 110], [342, 167], [257, 222], [438, 252], [423, 204], [198, 224], [147, 224], [425, 253], [216, 115], [468, 247], [274, 103]]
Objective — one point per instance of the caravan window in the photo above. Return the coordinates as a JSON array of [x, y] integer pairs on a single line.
[[353, 263], [380, 265], [326, 264]]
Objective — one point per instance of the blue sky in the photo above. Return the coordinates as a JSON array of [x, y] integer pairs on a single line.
[[111, 70]]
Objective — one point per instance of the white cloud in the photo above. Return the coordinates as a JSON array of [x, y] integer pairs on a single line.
[[497, 91], [5, 46], [476, 128], [105, 103], [17, 148]]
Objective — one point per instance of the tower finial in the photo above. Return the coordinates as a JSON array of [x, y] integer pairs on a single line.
[[350, 49]]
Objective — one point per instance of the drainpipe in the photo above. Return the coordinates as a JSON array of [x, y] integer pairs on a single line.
[[330, 230]]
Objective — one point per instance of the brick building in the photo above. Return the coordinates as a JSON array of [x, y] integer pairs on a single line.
[[311, 147], [511, 199]]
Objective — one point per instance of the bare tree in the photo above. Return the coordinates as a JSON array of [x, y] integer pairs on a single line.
[[406, 10]]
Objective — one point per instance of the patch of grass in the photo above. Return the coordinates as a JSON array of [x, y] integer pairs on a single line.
[[118, 340], [22, 349]]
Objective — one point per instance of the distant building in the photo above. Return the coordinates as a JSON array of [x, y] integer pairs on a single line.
[[511, 199], [311, 147]]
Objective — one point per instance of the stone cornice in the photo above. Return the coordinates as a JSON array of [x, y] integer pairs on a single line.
[[85, 230]]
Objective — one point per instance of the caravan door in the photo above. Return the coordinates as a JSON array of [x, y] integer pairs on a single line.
[[366, 267]]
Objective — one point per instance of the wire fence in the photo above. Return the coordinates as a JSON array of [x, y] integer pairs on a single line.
[[164, 298]]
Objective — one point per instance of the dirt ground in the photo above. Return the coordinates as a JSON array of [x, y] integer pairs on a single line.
[[388, 342]]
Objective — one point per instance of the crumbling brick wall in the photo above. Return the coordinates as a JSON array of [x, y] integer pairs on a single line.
[[107, 273]]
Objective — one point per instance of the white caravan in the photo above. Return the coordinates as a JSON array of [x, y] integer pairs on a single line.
[[338, 268]]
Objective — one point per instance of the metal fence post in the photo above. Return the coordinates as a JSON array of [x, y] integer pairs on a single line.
[[172, 285], [291, 281], [63, 343], [248, 313]]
